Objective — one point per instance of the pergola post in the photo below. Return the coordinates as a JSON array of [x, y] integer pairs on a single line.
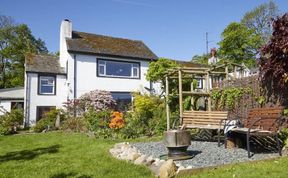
[[180, 96], [167, 103], [208, 90], [192, 97]]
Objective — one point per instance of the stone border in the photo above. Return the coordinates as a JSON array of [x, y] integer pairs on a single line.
[[160, 168]]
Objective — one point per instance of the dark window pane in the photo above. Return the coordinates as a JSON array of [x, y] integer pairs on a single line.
[[123, 100], [102, 70], [118, 69], [47, 89]]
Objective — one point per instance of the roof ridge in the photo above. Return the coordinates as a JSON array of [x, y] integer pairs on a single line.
[[121, 38]]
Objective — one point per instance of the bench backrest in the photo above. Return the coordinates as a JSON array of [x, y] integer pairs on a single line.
[[198, 119], [270, 115]]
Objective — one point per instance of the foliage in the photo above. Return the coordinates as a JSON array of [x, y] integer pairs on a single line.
[[148, 118], [117, 121], [229, 97], [48, 121], [158, 69], [274, 60], [98, 99], [75, 124], [97, 120], [11, 121], [239, 44], [283, 136], [260, 19], [16, 41], [201, 59]]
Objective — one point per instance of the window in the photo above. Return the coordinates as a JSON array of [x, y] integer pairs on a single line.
[[123, 100], [47, 85], [199, 83], [108, 68], [42, 110]]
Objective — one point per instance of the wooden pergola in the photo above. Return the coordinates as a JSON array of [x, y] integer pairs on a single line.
[[207, 73]]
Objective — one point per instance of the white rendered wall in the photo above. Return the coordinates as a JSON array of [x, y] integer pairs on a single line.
[[45, 100], [87, 79], [6, 105]]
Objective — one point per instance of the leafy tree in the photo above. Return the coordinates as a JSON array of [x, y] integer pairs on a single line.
[[158, 69], [274, 61], [201, 59], [16, 41], [260, 19], [239, 44]]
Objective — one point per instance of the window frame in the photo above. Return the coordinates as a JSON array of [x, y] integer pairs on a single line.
[[117, 76], [39, 84], [199, 83]]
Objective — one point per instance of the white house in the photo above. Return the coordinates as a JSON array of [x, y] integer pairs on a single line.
[[86, 62], [11, 98]]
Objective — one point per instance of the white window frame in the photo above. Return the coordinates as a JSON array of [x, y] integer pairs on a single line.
[[53, 85], [134, 65]]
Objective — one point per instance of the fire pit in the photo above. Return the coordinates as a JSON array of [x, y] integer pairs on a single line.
[[177, 142]]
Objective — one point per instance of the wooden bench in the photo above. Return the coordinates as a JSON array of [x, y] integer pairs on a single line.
[[204, 119], [212, 120], [262, 122]]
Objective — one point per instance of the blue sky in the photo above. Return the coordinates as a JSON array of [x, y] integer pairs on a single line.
[[171, 28]]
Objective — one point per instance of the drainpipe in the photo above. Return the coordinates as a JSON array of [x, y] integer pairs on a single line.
[[27, 110], [75, 76]]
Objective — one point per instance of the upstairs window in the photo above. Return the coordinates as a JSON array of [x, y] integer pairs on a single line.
[[47, 85], [121, 69]]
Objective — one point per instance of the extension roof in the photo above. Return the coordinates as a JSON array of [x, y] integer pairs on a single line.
[[108, 46], [12, 93], [43, 64]]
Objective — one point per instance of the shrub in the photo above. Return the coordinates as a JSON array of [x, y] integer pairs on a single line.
[[75, 124], [97, 120], [117, 121], [148, 118], [11, 121], [49, 120], [98, 99]]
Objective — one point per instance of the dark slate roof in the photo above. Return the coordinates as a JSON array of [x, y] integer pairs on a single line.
[[43, 64], [108, 46], [12, 93]]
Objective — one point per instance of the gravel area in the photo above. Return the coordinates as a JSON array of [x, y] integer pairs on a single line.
[[205, 154]]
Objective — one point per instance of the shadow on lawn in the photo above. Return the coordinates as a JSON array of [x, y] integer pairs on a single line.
[[28, 154], [70, 174]]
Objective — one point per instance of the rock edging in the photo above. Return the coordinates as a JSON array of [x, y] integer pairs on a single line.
[[160, 168]]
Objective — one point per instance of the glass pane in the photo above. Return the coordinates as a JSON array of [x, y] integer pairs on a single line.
[[101, 70], [47, 89], [44, 82], [118, 69], [135, 72], [122, 99], [101, 62]]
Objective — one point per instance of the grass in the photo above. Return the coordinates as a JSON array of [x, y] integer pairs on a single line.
[[56, 155], [274, 168], [63, 155]]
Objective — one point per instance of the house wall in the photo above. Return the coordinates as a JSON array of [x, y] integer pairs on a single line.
[[87, 79], [34, 99], [6, 105]]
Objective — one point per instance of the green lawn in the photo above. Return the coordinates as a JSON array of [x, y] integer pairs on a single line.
[[60, 155]]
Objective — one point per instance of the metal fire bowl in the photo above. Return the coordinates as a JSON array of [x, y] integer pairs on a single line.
[[177, 142], [177, 138]]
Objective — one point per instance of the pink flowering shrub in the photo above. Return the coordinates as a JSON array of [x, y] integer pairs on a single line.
[[98, 99]]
